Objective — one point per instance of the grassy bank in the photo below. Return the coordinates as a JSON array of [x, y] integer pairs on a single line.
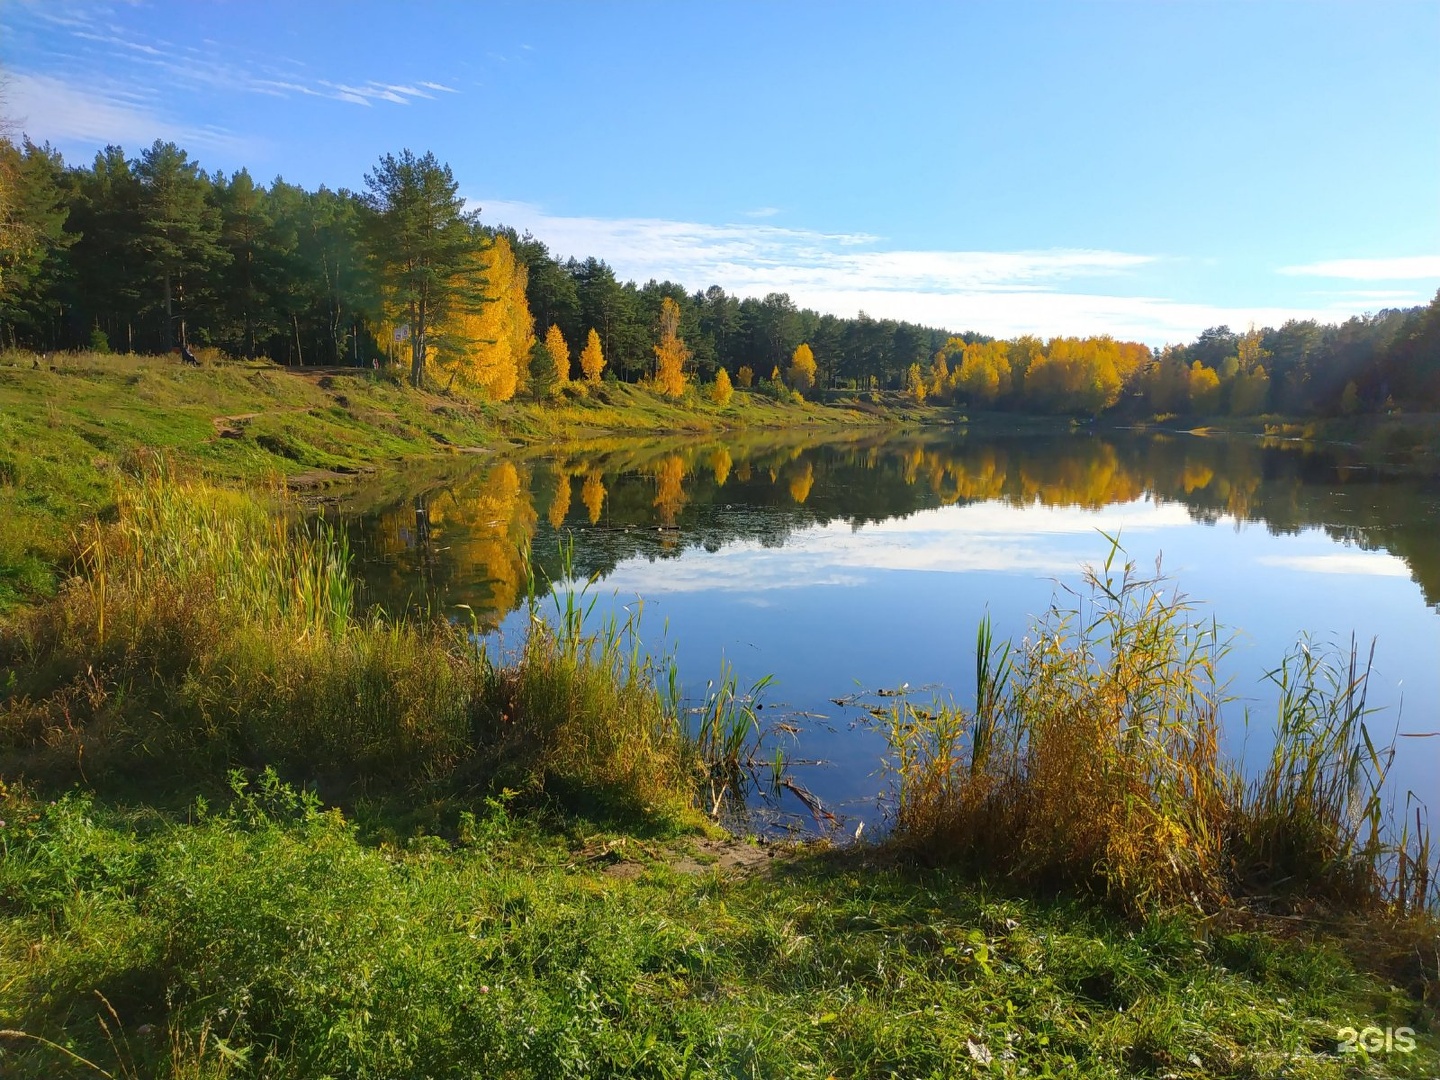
[[202, 631], [522, 882], [269, 940], [69, 423]]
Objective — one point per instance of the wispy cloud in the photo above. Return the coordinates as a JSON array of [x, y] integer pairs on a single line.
[[1045, 292], [83, 46], [761, 212], [49, 109], [1401, 268]]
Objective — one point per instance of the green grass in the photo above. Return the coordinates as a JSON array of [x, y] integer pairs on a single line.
[[268, 940]]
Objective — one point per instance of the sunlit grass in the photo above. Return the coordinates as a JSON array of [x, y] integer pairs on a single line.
[[204, 628], [263, 938], [1092, 761]]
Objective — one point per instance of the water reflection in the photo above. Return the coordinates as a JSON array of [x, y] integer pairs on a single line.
[[656, 499]]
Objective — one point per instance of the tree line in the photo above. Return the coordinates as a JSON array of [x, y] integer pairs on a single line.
[[141, 254]]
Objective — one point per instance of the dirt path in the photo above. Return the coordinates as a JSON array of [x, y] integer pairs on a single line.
[[625, 858]]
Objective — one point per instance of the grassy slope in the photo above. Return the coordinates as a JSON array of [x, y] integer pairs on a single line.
[[65, 430]]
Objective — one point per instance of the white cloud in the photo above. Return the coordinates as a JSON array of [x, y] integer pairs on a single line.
[[988, 537], [1401, 268], [1353, 563], [48, 109], [1004, 293]]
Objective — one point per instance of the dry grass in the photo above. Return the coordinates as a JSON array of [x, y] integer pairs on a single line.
[[1091, 760], [204, 629]]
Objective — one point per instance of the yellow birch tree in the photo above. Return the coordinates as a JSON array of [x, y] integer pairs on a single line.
[[802, 369], [721, 389], [671, 354], [915, 383], [1204, 389], [491, 344], [560, 354], [592, 359]]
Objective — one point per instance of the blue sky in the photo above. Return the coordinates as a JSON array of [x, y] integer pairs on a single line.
[[1144, 169]]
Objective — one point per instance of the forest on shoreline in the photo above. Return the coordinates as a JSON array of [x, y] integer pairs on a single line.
[[136, 254]]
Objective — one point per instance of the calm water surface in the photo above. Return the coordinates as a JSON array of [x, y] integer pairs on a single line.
[[864, 562]]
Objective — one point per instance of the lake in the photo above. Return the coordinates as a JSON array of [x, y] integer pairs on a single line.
[[855, 562]]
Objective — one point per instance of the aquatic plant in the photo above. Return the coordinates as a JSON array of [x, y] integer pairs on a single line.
[[1091, 760]]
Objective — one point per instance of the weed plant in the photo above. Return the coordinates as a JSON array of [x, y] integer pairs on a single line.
[[1091, 761], [203, 629]]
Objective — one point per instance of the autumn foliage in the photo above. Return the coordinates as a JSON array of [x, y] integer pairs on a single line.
[[592, 359], [559, 355], [802, 369], [489, 346], [671, 354], [721, 390]]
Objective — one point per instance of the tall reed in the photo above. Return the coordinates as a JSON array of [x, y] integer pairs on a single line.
[[1091, 759]]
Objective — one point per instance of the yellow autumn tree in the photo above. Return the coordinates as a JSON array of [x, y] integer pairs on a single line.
[[721, 390], [939, 375], [1204, 389], [745, 376], [984, 372], [1075, 375], [592, 359], [489, 346], [802, 369], [915, 382], [671, 354], [559, 355]]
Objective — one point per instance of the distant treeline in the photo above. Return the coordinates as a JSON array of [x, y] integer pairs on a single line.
[[131, 254]]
